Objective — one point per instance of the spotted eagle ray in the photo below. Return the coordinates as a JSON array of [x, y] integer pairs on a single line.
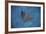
[[25, 16]]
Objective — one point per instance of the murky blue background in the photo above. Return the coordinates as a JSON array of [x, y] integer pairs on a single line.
[[17, 21]]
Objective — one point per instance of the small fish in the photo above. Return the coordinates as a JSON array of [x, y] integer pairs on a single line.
[[25, 16]]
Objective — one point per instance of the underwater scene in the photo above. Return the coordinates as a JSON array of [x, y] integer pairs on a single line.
[[25, 16]]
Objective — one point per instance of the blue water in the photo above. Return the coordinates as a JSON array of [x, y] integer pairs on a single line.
[[17, 21]]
